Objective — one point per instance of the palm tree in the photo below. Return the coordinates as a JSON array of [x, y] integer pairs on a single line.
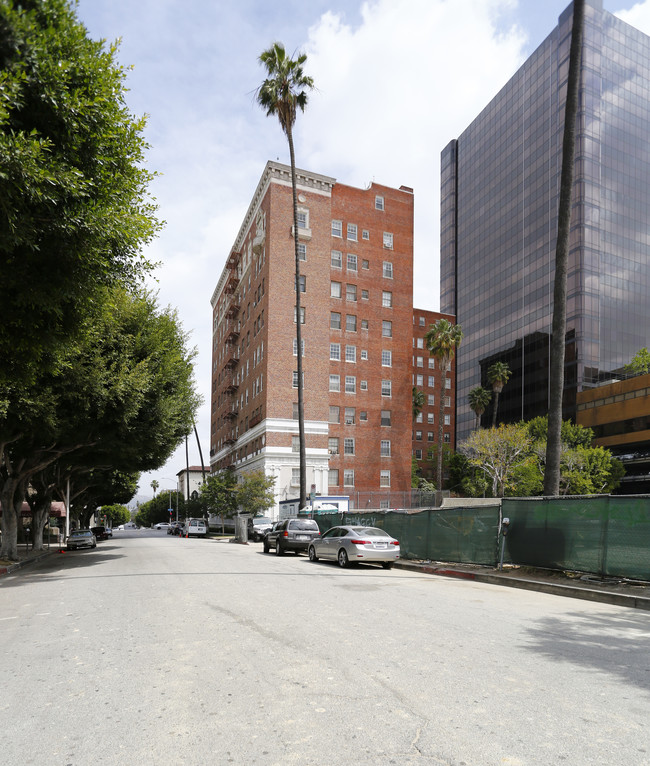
[[154, 486], [479, 398], [282, 94], [442, 340], [498, 376], [418, 401], [558, 332]]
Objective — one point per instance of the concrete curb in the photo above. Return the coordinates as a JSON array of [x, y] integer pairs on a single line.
[[5, 570], [556, 589]]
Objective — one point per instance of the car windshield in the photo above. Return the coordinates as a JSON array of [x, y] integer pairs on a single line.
[[370, 532], [83, 533], [262, 520], [304, 524]]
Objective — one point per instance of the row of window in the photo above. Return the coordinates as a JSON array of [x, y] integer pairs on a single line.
[[351, 293], [351, 354], [350, 384], [352, 234], [348, 477], [352, 264], [351, 323]]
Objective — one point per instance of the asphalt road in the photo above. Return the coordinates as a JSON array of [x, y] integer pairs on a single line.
[[153, 649]]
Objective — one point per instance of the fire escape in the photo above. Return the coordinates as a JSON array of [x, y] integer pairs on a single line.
[[230, 381]]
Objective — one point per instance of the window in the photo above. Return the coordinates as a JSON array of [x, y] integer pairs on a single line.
[[386, 358], [429, 436], [302, 251], [348, 446], [430, 418], [350, 292], [350, 384], [384, 478], [431, 381], [365, 234], [294, 411], [335, 382], [365, 265], [420, 342], [333, 445], [335, 289], [295, 346], [365, 295], [294, 381], [352, 262], [446, 438], [447, 401], [350, 416], [419, 361], [352, 231], [388, 270], [419, 380], [364, 324], [336, 259], [363, 416], [333, 477], [335, 320], [418, 417], [418, 436], [418, 454], [303, 219], [386, 388], [295, 477], [363, 385], [388, 240], [447, 382], [432, 363], [348, 477], [334, 414], [350, 323], [386, 299], [447, 420], [364, 355], [295, 444], [431, 400], [335, 352], [386, 328], [302, 314], [350, 353], [385, 417], [421, 321], [337, 228], [384, 447], [379, 203]]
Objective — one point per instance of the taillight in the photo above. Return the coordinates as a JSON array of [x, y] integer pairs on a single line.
[[395, 542], [361, 542], [285, 533]]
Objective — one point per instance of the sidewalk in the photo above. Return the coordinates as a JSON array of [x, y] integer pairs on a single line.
[[634, 594]]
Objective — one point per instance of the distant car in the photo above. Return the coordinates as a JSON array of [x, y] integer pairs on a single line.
[[100, 533], [258, 527], [350, 545], [195, 528], [109, 532], [291, 535], [81, 538], [162, 525]]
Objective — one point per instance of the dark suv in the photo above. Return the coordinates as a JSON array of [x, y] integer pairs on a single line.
[[291, 535]]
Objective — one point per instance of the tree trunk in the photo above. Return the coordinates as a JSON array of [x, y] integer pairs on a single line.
[[496, 406], [444, 366], [301, 405], [558, 333]]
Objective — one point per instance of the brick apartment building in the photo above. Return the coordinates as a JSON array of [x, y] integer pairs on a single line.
[[356, 308], [427, 380]]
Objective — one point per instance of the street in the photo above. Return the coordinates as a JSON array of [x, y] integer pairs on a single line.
[[154, 649]]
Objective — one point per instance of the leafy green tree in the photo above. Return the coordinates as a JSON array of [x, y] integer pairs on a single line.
[[498, 452], [442, 339], [282, 94], [255, 493], [640, 363], [479, 398], [218, 493], [466, 479], [75, 212], [573, 435], [498, 375], [558, 331], [116, 514]]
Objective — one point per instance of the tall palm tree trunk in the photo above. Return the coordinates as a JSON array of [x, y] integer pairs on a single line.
[[301, 401], [441, 422], [496, 407], [558, 333]]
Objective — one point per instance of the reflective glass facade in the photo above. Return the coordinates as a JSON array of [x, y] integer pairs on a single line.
[[500, 185]]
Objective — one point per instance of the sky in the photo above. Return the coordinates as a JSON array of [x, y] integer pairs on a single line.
[[395, 80]]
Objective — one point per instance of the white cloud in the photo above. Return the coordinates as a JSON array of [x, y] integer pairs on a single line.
[[638, 16]]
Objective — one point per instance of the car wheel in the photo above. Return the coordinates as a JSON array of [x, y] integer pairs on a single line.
[[278, 549], [344, 561], [387, 564], [266, 547], [312, 553], [94, 545]]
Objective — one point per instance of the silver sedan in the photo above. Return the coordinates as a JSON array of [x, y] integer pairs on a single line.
[[350, 545]]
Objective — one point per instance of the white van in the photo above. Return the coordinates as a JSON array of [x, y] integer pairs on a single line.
[[195, 528]]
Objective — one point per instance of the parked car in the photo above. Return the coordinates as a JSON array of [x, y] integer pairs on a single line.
[[258, 527], [100, 533], [161, 525], [195, 528], [81, 538], [291, 535], [350, 545], [109, 532]]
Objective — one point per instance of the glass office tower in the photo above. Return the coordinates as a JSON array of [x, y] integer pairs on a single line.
[[500, 189]]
